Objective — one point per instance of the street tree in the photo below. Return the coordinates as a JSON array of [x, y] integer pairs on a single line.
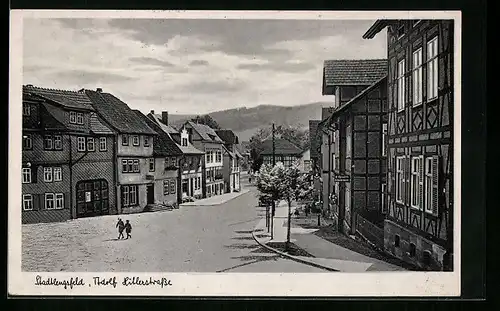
[[207, 120], [269, 185], [290, 190]]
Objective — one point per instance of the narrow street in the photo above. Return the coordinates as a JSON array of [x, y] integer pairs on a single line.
[[190, 239]]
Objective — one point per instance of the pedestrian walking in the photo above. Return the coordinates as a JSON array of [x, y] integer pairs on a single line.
[[121, 226], [128, 229]]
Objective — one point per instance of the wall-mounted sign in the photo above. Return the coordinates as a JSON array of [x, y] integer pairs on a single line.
[[342, 178]]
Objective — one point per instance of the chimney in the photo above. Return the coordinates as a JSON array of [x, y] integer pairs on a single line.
[[152, 112], [164, 117], [29, 85], [99, 90]]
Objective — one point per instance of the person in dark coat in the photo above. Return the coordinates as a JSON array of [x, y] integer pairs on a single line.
[[121, 226], [128, 229]]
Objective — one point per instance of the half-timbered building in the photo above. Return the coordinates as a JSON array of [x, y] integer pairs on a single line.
[[419, 223]]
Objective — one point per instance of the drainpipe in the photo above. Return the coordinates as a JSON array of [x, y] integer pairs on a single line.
[[115, 173], [73, 215]]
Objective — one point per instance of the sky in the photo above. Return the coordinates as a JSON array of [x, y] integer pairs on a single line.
[[193, 66]]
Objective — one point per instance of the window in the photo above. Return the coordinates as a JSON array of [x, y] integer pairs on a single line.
[[426, 258], [49, 201], [151, 165], [384, 139], [26, 110], [72, 117], [48, 142], [135, 140], [172, 186], [432, 68], [81, 144], [124, 140], [59, 200], [396, 240], [58, 142], [173, 161], [401, 85], [199, 182], [431, 185], [124, 166], [219, 156], [90, 144], [146, 141], [129, 195], [136, 166], [103, 144], [416, 182], [184, 142], [400, 179], [47, 174], [413, 250], [166, 187], [27, 202], [130, 167], [57, 174], [417, 77], [27, 142], [26, 173], [334, 159], [384, 202], [79, 118]]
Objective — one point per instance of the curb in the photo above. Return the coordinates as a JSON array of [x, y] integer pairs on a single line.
[[215, 204], [294, 258]]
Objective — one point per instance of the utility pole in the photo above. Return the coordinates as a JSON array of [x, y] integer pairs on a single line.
[[274, 199]]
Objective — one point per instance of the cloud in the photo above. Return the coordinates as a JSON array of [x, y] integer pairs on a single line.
[[86, 77], [211, 87], [199, 62], [151, 61], [289, 67]]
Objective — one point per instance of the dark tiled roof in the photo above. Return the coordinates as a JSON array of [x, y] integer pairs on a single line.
[[51, 118], [375, 28], [206, 132], [313, 138], [98, 127], [167, 128], [163, 145], [353, 72], [68, 99], [118, 114], [228, 136], [282, 147]]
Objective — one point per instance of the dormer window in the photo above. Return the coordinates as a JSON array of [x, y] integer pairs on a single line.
[[184, 142], [75, 117], [79, 118]]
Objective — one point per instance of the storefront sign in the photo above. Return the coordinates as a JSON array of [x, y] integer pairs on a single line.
[[342, 178]]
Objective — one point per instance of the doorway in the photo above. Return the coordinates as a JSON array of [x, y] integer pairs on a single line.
[[150, 190], [92, 198]]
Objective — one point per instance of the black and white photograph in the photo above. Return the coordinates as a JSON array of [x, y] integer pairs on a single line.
[[261, 153]]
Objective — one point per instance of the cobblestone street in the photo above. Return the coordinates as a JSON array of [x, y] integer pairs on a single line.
[[191, 239]]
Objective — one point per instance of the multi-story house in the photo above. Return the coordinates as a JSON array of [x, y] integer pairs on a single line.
[[189, 162], [206, 139], [326, 155], [315, 147], [285, 151], [67, 157], [419, 222], [304, 161], [163, 167], [359, 163], [232, 160], [346, 79], [132, 150]]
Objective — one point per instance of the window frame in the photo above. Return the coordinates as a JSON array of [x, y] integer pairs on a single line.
[[48, 139], [400, 179], [103, 140], [27, 138], [416, 182], [184, 142], [136, 166], [417, 77], [136, 140], [26, 110], [434, 61], [125, 140], [57, 142], [60, 174], [72, 117], [90, 142], [384, 138], [79, 118], [59, 198], [81, 141], [151, 164], [401, 85], [46, 200], [173, 186], [146, 141], [25, 200], [166, 187], [48, 172], [26, 172]]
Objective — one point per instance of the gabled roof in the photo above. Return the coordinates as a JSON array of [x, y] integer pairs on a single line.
[[98, 127], [189, 149], [207, 133], [118, 114], [282, 146], [67, 99], [313, 138], [165, 127], [227, 151], [352, 72], [227, 136], [163, 144], [375, 28]]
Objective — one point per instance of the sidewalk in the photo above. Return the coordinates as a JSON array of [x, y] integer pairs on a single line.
[[216, 200], [325, 254]]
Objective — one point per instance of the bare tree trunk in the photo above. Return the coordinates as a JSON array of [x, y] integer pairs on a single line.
[[272, 221], [287, 244]]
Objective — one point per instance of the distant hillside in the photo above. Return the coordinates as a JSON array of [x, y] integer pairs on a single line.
[[246, 121]]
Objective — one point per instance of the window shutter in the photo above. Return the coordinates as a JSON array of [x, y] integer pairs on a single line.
[[435, 185], [406, 178], [421, 182], [34, 174], [36, 201], [67, 201], [123, 195]]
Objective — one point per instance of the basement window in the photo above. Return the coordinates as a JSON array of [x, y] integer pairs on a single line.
[[426, 258], [396, 240], [413, 250]]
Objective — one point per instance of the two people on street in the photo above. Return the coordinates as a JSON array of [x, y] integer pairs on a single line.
[[127, 227]]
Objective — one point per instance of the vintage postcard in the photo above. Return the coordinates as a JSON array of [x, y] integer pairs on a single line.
[[211, 153]]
